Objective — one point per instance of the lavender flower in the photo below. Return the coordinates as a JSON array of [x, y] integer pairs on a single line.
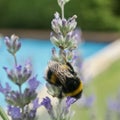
[[5, 90], [32, 114], [69, 102], [47, 103], [19, 100], [63, 26], [56, 23], [63, 108], [33, 83], [14, 112], [65, 38], [36, 104], [67, 113], [59, 111], [13, 45], [18, 75]]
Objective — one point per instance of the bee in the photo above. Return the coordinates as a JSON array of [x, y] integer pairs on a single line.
[[64, 76]]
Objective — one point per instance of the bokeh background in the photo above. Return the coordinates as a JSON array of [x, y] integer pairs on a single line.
[[99, 20], [94, 15]]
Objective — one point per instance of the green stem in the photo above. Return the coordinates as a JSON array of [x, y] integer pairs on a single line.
[[3, 114], [15, 59], [20, 86], [59, 111], [20, 90], [62, 10]]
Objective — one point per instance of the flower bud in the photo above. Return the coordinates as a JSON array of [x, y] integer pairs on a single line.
[[13, 44]]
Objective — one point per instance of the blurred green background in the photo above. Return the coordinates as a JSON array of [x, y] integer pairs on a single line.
[[93, 15]]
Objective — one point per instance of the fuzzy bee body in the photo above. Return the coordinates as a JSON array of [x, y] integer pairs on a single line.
[[64, 76]]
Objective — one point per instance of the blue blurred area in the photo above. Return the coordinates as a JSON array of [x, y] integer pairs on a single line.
[[39, 52], [90, 48]]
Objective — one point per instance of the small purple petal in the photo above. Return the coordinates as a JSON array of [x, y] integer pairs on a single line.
[[36, 104], [47, 103], [8, 87], [5, 90], [53, 51], [10, 73], [32, 114], [7, 42], [33, 83], [14, 112], [18, 46], [64, 22], [19, 68], [70, 101], [12, 44]]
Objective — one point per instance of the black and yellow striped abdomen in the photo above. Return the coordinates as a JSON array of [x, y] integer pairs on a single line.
[[63, 76]]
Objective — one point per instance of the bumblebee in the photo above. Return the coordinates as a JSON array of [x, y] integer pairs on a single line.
[[64, 76]]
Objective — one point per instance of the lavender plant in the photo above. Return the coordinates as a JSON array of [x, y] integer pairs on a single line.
[[65, 39], [19, 100], [23, 102]]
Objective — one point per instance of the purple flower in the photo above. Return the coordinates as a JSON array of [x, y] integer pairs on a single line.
[[36, 104], [10, 74], [32, 114], [19, 74], [69, 102], [47, 103], [5, 90], [78, 35], [14, 98], [72, 23], [56, 23], [33, 83], [13, 45], [61, 25], [14, 112]]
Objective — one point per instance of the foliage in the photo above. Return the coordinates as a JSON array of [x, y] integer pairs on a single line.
[[94, 15]]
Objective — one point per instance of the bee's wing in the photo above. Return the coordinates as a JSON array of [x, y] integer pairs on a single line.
[[60, 71]]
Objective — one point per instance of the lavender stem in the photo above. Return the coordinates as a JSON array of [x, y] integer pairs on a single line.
[[15, 59], [62, 10]]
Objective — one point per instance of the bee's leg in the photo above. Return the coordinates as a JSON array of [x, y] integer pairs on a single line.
[[70, 65], [71, 68], [61, 94]]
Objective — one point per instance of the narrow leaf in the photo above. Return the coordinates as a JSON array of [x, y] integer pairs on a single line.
[[3, 114]]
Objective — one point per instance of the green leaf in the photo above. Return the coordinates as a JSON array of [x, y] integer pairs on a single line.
[[3, 114]]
